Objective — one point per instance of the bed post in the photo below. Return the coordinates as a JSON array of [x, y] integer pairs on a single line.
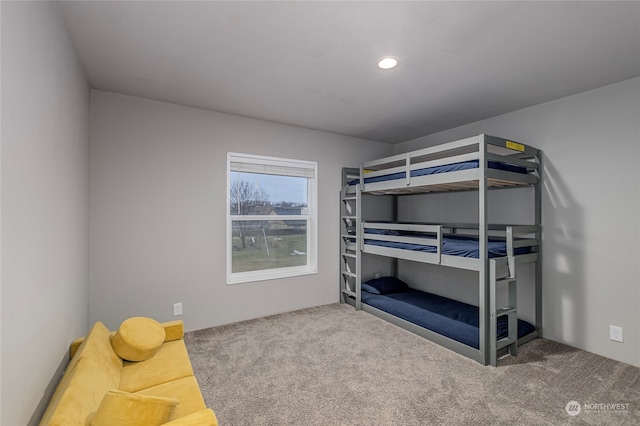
[[483, 279], [394, 219], [359, 241], [538, 264]]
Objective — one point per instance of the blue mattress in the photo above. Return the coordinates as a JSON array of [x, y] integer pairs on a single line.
[[451, 245], [451, 318], [465, 165]]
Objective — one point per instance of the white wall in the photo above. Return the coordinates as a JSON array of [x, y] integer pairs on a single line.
[[45, 142], [158, 191], [591, 211]]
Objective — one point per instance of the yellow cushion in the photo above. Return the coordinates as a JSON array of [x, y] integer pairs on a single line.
[[138, 339], [170, 363], [185, 389], [174, 330], [94, 370], [97, 343], [126, 409]]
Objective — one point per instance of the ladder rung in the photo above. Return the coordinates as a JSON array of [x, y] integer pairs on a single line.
[[524, 243], [348, 292], [505, 342], [505, 311], [349, 274], [349, 217], [505, 280], [349, 198], [352, 255]]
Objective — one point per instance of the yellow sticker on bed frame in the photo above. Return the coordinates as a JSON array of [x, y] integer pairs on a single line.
[[515, 145]]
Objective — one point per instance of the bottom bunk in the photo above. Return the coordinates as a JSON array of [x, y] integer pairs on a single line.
[[448, 322]]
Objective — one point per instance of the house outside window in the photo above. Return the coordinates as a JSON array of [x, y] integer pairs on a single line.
[[271, 218]]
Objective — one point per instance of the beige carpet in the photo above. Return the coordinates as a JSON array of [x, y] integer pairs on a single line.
[[332, 365]]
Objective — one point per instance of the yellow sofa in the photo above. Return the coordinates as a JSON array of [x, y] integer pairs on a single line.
[[99, 387]]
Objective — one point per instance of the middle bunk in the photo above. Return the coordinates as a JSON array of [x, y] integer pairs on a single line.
[[476, 164], [454, 245]]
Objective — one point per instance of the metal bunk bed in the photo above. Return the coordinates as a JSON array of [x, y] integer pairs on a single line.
[[479, 163]]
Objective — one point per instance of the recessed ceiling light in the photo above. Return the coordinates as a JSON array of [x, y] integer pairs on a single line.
[[387, 62]]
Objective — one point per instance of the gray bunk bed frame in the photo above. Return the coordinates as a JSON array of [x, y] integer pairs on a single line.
[[492, 272]]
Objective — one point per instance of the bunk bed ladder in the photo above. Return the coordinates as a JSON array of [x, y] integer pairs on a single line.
[[349, 240], [511, 341]]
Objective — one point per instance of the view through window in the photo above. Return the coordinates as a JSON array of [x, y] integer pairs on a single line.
[[271, 211]]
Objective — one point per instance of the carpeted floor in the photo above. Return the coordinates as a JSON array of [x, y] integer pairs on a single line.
[[332, 365]]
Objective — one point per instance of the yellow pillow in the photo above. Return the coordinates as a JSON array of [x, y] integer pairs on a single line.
[[127, 409], [138, 339]]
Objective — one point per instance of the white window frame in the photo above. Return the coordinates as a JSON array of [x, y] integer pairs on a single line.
[[282, 167]]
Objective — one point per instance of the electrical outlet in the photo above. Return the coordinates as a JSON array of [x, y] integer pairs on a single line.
[[615, 333], [177, 309], [377, 275]]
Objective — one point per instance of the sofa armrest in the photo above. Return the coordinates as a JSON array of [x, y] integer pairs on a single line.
[[199, 418], [74, 346], [174, 330]]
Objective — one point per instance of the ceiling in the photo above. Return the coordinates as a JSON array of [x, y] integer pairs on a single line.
[[312, 64]]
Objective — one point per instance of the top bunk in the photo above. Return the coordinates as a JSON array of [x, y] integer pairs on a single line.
[[456, 166]]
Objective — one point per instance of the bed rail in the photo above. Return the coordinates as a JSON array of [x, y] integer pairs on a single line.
[[423, 242], [429, 235]]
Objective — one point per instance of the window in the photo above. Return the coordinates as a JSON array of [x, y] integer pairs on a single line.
[[271, 218]]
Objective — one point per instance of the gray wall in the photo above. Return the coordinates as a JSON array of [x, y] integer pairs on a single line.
[[591, 211], [158, 191], [45, 180]]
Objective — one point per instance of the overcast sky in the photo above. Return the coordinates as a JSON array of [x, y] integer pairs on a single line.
[[278, 188]]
